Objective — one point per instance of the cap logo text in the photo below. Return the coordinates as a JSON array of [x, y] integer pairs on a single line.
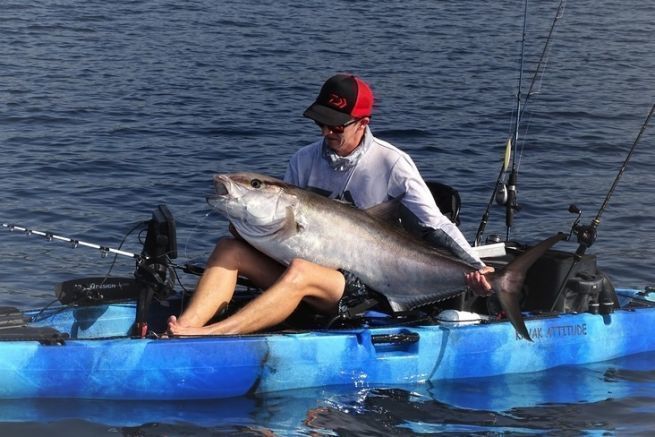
[[337, 101]]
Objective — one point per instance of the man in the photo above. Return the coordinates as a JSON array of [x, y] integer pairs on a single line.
[[349, 163]]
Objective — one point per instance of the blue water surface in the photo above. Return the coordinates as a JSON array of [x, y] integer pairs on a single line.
[[108, 109]]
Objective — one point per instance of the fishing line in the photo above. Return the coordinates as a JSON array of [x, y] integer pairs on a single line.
[[543, 58], [519, 111], [134, 228], [524, 141], [188, 267], [539, 71], [193, 230], [541, 66]]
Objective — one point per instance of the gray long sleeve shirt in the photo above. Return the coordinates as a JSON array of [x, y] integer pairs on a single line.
[[373, 173]]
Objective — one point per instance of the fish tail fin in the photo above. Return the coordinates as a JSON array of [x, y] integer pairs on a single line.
[[509, 281]]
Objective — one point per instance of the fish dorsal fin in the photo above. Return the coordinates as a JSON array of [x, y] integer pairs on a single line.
[[388, 211]]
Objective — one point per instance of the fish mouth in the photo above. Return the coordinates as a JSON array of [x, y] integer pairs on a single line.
[[222, 185], [221, 189]]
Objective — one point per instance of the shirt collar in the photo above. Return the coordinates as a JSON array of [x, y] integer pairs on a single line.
[[344, 163]]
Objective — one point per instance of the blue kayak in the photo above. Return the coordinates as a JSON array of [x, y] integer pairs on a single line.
[[89, 352], [101, 342]]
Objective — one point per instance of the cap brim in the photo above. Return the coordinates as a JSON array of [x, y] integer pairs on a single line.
[[326, 115]]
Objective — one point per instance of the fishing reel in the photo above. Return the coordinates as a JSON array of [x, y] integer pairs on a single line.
[[502, 194], [506, 194], [586, 234]]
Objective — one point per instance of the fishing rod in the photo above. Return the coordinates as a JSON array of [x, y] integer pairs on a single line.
[[505, 194], [104, 250], [511, 203], [151, 253], [150, 278], [587, 233]]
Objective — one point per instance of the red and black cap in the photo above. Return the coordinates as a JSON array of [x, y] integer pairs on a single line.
[[343, 98]]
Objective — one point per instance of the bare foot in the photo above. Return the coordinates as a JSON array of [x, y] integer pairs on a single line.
[[175, 328]]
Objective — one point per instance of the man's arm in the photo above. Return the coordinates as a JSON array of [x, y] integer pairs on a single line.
[[421, 216]]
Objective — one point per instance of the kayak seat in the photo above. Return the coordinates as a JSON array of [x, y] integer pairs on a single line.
[[447, 199], [566, 283]]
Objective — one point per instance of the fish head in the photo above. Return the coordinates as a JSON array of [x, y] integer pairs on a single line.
[[255, 204]]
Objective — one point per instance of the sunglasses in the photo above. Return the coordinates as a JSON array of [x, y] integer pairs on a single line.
[[336, 129]]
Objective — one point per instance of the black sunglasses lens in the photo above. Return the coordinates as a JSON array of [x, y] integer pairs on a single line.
[[335, 129]]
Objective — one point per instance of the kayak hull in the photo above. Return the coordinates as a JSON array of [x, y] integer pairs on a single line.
[[100, 360]]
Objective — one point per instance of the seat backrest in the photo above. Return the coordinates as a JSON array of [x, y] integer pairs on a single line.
[[447, 199]]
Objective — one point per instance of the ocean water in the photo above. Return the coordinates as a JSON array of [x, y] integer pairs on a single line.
[[108, 109]]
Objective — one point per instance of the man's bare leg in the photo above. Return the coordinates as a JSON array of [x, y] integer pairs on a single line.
[[320, 286], [216, 286]]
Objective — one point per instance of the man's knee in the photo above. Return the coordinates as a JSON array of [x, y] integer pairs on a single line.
[[301, 270], [310, 279], [298, 272]]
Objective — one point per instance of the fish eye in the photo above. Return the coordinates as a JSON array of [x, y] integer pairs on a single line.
[[256, 183]]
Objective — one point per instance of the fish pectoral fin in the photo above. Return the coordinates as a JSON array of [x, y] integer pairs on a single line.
[[291, 226]]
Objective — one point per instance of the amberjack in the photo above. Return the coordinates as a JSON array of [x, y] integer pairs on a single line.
[[286, 222]]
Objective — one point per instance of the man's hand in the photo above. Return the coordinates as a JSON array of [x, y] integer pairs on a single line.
[[478, 283]]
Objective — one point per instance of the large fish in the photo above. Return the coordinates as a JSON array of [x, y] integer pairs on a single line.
[[287, 222]]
